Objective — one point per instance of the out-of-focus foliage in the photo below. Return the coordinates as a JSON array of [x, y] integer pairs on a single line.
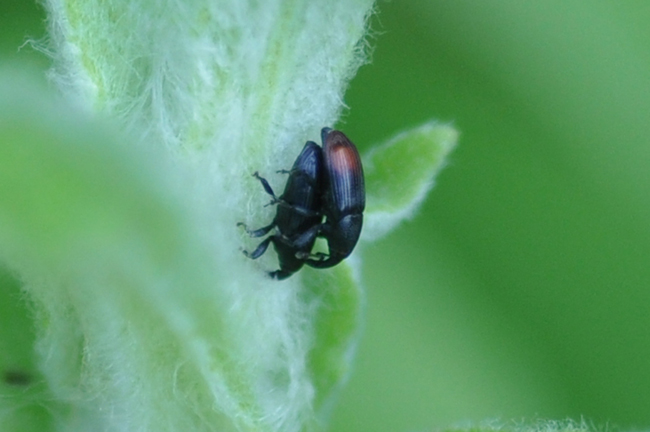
[[20, 22], [523, 287]]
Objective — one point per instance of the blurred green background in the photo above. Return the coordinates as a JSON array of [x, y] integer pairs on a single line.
[[522, 287]]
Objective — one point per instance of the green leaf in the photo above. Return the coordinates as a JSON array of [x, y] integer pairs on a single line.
[[337, 301], [400, 172], [527, 426]]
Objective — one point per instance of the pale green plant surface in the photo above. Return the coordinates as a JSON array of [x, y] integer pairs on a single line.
[[400, 172], [528, 426], [136, 309]]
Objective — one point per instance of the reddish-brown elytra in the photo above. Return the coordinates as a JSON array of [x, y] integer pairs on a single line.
[[344, 198]]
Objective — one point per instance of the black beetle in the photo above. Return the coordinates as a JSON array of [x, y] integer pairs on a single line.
[[298, 215], [343, 199], [325, 182]]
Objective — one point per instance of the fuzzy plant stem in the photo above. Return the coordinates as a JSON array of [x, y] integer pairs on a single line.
[[134, 308]]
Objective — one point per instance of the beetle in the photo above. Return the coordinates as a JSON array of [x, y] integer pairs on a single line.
[[325, 183], [343, 199], [298, 215]]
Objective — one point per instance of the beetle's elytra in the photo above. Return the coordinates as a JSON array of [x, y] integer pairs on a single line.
[[344, 198], [324, 197]]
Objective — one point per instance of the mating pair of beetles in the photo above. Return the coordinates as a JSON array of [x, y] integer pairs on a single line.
[[325, 183]]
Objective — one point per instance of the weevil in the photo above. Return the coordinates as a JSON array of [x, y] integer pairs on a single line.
[[324, 183], [298, 213], [343, 199]]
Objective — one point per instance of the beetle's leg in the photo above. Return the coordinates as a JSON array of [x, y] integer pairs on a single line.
[[272, 202], [280, 274], [265, 184], [324, 260], [320, 259], [305, 240], [258, 232], [313, 257], [307, 177], [267, 188], [259, 251], [261, 248], [320, 256], [300, 210], [324, 230]]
